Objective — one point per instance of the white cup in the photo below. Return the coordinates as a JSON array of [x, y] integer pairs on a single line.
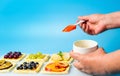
[[85, 46]]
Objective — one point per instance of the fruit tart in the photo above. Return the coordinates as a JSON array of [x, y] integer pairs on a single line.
[[14, 56], [61, 56], [37, 57], [28, 67], [57, 67]]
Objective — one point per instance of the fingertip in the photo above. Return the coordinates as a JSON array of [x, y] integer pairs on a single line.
[[78, 65]]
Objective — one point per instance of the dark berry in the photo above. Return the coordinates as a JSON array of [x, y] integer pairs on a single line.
[[10, 56], [25, 63], [6, 56], [37, 63], [25, 67], [32, 62], [20, 67], [30, 67]]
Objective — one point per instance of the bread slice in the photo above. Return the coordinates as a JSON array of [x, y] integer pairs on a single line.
[[30, 71], [48, 72], [45, 59], [9, 69], [15, 60]]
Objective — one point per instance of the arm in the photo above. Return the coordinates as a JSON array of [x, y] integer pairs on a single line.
[[113, 62], [114, 20], [98, 23]]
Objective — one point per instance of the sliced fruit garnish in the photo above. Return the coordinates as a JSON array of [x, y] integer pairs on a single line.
[[56, 67], [56, 57], [66, 56]]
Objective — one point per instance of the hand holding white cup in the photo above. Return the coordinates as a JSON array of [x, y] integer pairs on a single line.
[[85, 46]]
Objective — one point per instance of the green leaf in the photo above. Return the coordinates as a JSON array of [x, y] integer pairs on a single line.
[[60, 53]]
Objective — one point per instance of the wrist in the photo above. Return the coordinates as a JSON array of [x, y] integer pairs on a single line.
[[113, 20]]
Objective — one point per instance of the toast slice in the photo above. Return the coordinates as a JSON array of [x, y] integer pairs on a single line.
[[51, 72]]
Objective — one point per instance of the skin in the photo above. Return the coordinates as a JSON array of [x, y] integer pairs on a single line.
[[98, 62], [103, 21]]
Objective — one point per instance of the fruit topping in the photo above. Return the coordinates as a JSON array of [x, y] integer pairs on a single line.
[[38, 55], [5, 64], [28, 66], [12, 55], [56, 66], [61, 56]]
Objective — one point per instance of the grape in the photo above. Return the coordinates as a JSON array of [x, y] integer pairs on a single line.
[[6, 56], [10, 56], [38, 53]]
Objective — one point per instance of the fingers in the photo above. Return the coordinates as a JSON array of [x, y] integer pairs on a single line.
[[76, 56], [86, 18], [78, 65], [86, 28], [81, 67]]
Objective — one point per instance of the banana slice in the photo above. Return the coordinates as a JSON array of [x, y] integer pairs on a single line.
[[56, 57], [6, 65], [2, 62], [65, 56]]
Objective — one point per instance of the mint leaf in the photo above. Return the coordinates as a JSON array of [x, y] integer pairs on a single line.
[[60, 53]]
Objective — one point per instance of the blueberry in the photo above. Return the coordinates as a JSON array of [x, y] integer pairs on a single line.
[[25, 63], [32, 62], [37, 63], [30, 67], [25, 67], [20, 67]]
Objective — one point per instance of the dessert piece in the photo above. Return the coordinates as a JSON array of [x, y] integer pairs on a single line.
[[56, 68], [6, 66], [37, 57], [61, 56], [29, 67], [14, 56]]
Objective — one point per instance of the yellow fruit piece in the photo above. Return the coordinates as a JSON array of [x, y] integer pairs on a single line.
[[56, 57], [66, 56]]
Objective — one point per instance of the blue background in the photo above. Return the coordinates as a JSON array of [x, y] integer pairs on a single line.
[[35, 25]]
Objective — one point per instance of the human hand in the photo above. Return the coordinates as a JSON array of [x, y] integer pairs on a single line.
[[95, 23], [91, 63]]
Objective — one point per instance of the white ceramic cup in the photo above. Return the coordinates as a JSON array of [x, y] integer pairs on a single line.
[[85, 46]]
